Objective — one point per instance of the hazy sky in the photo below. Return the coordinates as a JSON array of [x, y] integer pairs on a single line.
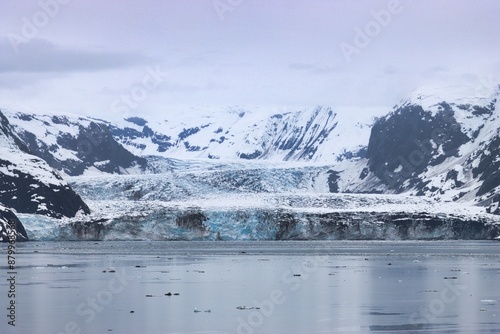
[[98, 57]]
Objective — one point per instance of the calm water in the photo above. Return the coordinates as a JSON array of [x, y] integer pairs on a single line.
[[298, 287]]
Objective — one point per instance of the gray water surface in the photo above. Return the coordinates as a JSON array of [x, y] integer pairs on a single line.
[[255, 287]]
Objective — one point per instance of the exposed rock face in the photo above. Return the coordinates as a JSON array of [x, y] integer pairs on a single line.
[[409, 140], [130, 135], [8, 223], [10, 138], [488, 168], [494, 207], [27, 194], [73, 144], [446, 149]]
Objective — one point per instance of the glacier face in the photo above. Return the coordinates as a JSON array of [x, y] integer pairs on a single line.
[[166, 221]]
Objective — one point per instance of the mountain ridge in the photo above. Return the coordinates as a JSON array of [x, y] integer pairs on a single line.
[[445, 148]]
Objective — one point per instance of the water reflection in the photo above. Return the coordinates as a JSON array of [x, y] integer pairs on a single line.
[[260, 292]]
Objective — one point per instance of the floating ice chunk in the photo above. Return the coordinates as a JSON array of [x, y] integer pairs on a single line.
[[488, 301]]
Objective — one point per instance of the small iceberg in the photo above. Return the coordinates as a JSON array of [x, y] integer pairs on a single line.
[[198, 311]]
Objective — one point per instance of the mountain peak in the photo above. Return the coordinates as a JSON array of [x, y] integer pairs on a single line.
[[430, 96]]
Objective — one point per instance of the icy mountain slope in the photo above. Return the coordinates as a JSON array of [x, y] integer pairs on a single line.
[[28, 184], [312, 134], [74, 145]]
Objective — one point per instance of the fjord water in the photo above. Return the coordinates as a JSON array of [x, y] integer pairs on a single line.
[[255, 287]]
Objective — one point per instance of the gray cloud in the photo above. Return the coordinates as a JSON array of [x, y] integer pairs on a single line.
[[280, 52], [43, 56]]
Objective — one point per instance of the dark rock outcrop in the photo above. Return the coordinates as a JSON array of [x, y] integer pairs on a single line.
[[404, 143], [127, 134], [27, 194], [488, 169], [94, 146], [10, 226], [494, 206]]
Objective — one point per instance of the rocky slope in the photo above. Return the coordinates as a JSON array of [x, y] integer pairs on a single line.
[[28, 184], [10, 227], [440, 146], [73, 145]]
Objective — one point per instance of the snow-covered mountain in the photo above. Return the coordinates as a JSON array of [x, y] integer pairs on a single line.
[[221, 173], [439, 144], [76, 145], [312, 134], [28, 184], [73, 145]]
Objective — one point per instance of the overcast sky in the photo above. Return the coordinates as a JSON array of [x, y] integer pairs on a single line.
[[111, 57]]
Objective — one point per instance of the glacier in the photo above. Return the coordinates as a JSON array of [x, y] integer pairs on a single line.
[[254, 174], [207, 200]]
